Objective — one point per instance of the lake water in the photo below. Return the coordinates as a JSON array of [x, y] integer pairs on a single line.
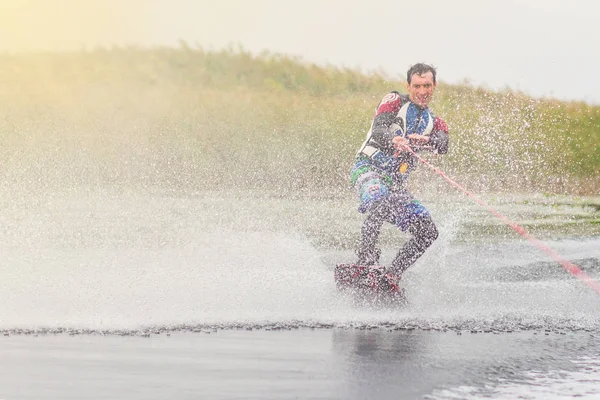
[[215, 295]]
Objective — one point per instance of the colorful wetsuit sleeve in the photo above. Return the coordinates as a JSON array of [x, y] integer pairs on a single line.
[[439, 136], [384, 117]]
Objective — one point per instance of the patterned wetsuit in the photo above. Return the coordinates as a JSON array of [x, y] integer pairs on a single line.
[[380, 179]]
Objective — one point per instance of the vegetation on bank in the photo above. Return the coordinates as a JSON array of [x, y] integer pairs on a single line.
[[189, 118]]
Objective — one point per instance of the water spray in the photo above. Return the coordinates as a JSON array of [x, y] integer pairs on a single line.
[[570, 267]]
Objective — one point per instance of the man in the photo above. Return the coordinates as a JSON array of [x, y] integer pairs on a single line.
[[384, 163]]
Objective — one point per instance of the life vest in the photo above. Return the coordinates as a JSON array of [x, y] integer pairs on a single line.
[[415, 119], [411, 119]]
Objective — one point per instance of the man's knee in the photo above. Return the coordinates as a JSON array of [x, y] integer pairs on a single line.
[[424, 230]]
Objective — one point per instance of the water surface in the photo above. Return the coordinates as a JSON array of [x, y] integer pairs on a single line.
[[231, 295]]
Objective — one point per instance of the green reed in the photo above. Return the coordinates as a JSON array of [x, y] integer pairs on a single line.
[[190, 118]]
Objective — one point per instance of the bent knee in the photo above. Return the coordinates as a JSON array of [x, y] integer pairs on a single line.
[[432, 234], [424, 231]]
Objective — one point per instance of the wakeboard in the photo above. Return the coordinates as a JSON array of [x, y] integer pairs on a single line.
[[369, 284]]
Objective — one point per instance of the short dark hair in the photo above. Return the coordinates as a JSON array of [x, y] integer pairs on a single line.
[[420, 69]]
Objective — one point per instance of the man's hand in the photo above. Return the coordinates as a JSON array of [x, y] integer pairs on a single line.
[[403, 144], [418, 140], [400, 143]]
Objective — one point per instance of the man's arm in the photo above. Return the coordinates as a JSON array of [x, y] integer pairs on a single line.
[[439, 137], [437, 141], [385, 117]]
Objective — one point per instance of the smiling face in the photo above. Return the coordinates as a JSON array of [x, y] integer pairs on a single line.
[[420, 88]]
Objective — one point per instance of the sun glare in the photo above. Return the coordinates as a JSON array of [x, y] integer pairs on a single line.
[[58, 25]]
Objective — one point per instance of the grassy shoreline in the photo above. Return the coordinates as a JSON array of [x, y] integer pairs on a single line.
[[185, 117]]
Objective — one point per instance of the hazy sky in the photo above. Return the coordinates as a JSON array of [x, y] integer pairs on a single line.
[[542, 47]]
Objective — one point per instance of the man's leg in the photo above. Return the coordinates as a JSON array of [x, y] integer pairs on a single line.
[[373, 191], [367, 251], [410, 215], [423, 233]]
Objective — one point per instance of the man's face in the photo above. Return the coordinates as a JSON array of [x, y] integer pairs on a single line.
[[420, 89]]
